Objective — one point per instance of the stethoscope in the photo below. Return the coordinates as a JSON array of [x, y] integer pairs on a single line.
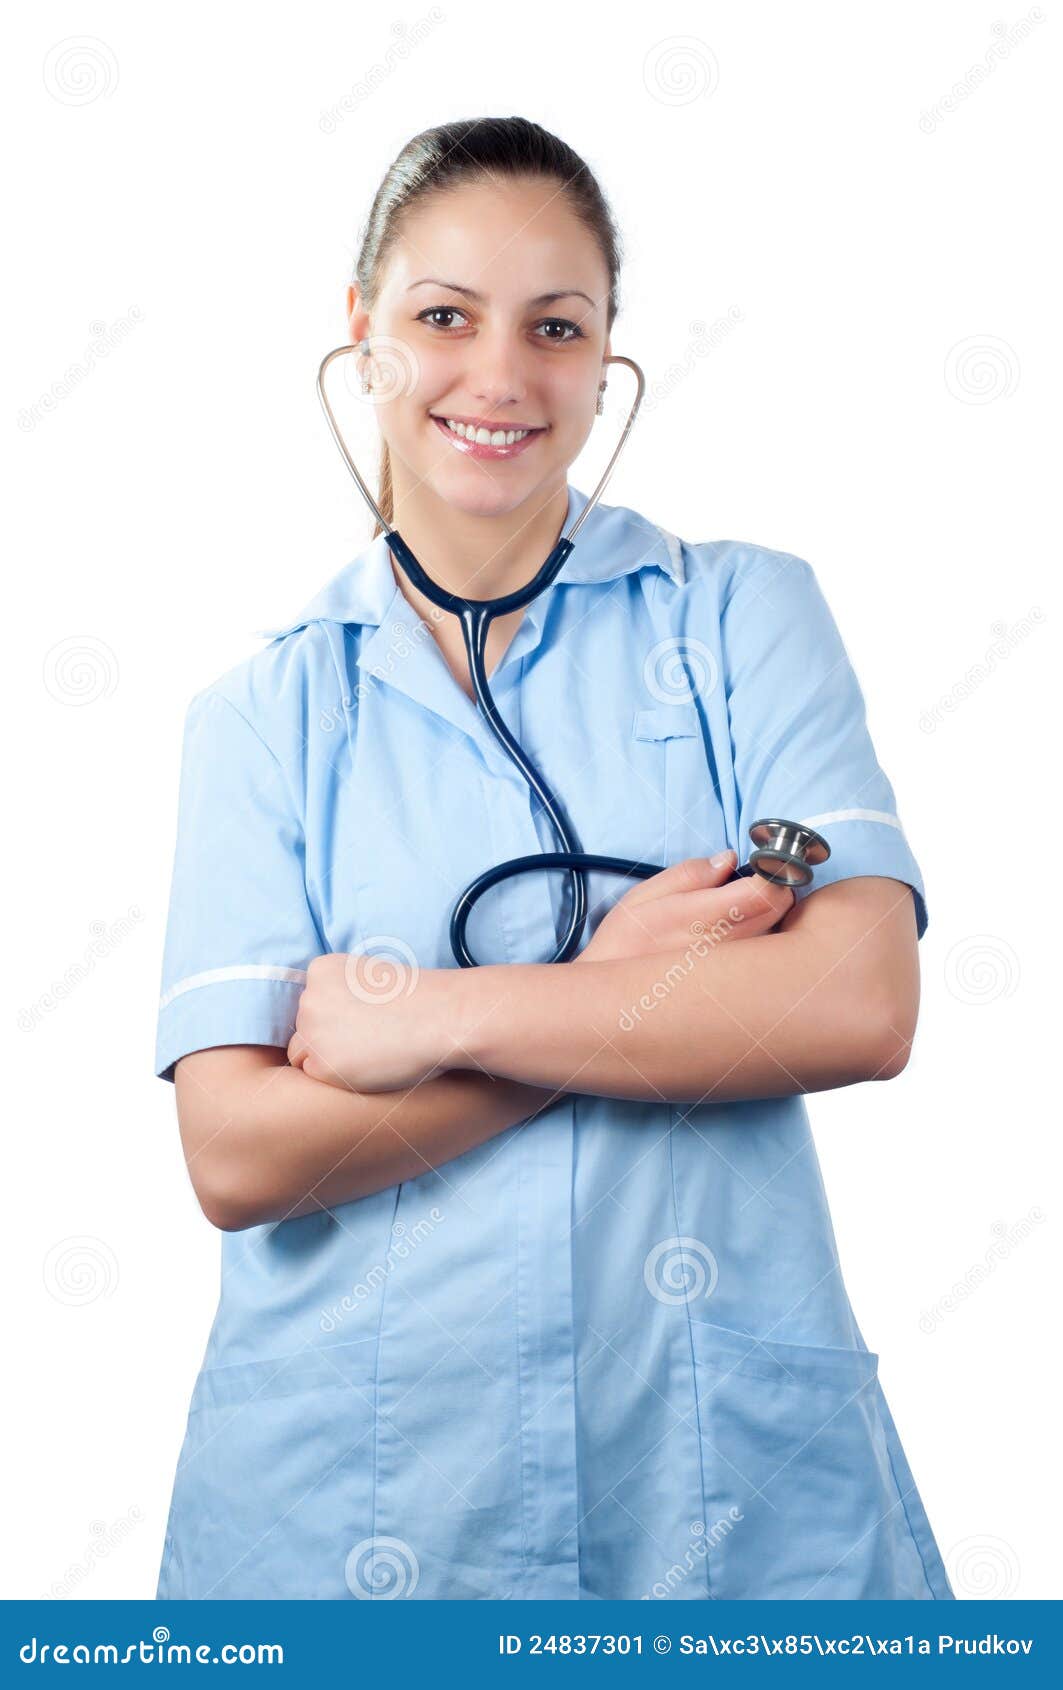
[[785, 852]]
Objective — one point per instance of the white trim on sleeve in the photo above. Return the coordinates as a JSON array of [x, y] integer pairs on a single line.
[[853, 816], [240, 971]]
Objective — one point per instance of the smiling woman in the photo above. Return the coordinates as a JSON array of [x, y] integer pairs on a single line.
[[582, 1197], [502, 333]]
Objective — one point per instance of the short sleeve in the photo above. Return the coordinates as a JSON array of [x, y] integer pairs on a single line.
[[240, 931], [800, 740]]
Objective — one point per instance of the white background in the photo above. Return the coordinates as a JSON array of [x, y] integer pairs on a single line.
[[185, 191]]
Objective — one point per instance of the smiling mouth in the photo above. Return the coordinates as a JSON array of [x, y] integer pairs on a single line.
[[482, 440]]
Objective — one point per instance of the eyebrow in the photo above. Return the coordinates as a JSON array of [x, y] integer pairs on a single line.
[[471, 293]]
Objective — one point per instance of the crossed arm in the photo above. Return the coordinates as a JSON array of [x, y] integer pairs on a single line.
[[817, 995]]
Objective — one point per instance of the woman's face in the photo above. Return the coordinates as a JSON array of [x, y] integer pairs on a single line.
[[491, 313]]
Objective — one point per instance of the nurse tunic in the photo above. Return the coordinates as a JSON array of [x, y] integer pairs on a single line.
[[609, 1353]]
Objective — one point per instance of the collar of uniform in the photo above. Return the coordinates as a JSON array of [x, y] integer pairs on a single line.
[[612, 542]]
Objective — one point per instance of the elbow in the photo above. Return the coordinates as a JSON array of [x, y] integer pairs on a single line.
[[872, 1029], [893, 1061], [225, 1205], [892, 1045], [221, 1174], [223, 1155]]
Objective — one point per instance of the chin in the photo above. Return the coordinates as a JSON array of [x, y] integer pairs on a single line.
[[476, 493]]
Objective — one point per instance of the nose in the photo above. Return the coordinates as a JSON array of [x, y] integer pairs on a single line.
[[496, 375]]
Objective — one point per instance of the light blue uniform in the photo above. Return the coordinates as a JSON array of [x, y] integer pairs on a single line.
[[609, 1353]]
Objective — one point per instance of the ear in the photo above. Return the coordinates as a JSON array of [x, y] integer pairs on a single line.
[[357, 316]]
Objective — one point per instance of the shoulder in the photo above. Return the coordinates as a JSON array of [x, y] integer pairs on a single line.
[[758, 601], [739, 569], [273, 691]]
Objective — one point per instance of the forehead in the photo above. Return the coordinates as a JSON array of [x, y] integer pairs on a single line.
[[510, 238]]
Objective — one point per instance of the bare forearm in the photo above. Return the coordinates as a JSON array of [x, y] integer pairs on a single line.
[[282, 1144], [766, 1017]]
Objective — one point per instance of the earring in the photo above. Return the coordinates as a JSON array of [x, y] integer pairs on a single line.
[[600, 406], [363, 348]]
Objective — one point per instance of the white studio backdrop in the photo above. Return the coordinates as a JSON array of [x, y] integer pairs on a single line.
[[842, 283]]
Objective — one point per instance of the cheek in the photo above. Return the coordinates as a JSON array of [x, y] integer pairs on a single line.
[[573, 392]]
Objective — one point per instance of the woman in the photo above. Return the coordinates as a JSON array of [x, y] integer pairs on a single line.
[[530, 1287]]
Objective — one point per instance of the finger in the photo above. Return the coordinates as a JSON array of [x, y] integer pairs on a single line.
[[693, 874], [761, 900], [741, 910]]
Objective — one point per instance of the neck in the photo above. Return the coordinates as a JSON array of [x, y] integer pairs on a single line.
[[478, 557]]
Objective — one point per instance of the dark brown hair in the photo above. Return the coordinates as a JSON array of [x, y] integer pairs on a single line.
[[477, 149]]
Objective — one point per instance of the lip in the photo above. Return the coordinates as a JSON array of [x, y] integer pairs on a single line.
[[475, 449]]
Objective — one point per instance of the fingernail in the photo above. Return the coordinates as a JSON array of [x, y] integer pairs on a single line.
[[720, 858]]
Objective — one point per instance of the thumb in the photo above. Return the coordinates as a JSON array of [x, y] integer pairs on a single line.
[[693, 874]]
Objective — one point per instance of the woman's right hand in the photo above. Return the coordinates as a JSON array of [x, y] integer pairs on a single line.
[[692, 902]]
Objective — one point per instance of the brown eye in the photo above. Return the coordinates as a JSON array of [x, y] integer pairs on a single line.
[[575, 332], [440, 311]]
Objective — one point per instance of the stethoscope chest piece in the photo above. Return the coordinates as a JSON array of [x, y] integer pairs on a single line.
[[786, 852]]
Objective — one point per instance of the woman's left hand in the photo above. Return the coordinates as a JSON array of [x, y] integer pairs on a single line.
[[369, 1023]]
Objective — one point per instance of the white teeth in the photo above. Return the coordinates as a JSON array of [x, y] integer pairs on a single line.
[[485, 437]]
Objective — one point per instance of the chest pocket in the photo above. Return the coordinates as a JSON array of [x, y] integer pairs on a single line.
[[673, 798], [667, 721]]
